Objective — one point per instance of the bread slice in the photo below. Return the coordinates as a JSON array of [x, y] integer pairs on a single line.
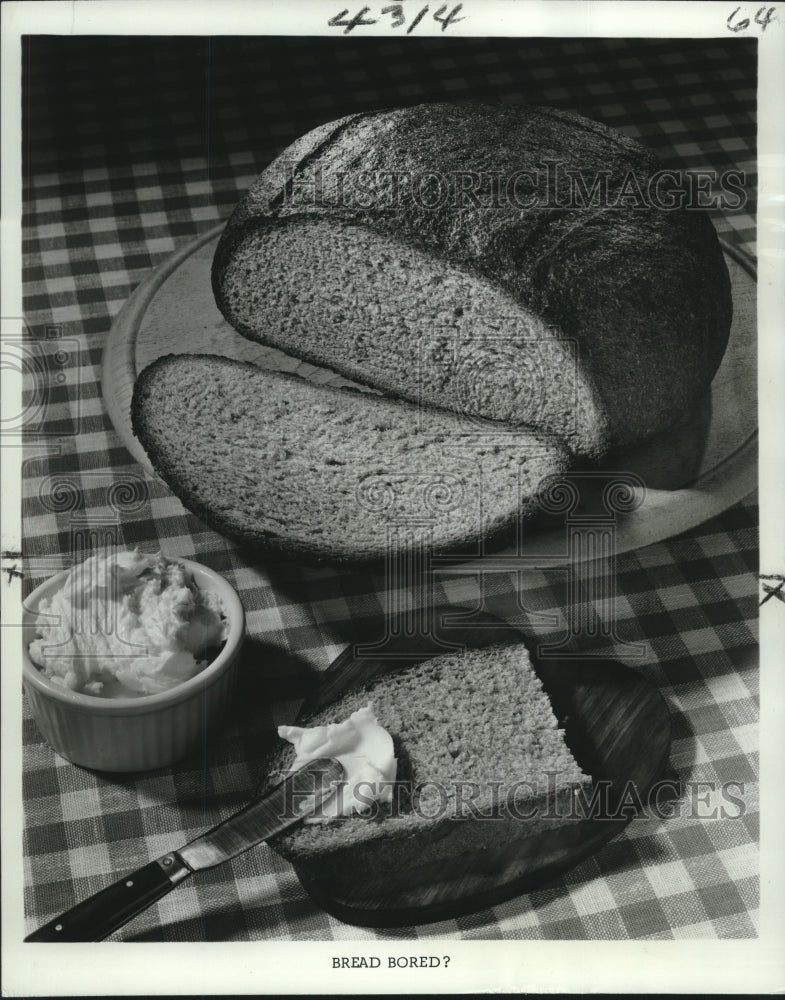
[[402, 320], [332, 474], [481, 761], [460, 254]]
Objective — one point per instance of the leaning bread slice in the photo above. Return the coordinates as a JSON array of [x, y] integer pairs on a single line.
[[398, 318], [482, 762], [331, 474]]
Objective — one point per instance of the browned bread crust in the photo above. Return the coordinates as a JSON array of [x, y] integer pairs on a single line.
[[642, 294]]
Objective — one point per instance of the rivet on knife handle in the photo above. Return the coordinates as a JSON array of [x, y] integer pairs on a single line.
[[106, 911]]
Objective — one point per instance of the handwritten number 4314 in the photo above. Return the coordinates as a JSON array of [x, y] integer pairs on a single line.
[[395, 10]]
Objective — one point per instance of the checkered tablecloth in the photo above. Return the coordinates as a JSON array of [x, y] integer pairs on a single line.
[[134, 146]]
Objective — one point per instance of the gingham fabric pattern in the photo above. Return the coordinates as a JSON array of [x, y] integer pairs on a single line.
[[134, 146]]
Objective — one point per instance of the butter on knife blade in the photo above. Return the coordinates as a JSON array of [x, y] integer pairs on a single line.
[[300, 795]]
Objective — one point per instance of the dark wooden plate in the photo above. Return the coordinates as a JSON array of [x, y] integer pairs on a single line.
[[618, 728]]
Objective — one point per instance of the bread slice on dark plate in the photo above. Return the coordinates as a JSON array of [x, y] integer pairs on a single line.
[[481, 760]]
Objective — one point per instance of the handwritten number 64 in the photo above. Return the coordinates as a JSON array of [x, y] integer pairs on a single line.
[[763, 16]]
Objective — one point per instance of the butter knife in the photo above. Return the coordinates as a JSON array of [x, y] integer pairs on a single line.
[[299, 796]]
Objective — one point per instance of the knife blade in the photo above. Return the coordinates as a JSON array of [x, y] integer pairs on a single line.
[[290, 802]]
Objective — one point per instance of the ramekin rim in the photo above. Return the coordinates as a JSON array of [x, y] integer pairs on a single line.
[[143, 704]]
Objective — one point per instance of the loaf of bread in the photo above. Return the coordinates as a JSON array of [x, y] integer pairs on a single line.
[[481, 761], [329, 474], [493, 260]]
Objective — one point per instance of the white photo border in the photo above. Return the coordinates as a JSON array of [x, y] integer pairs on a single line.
[[263, 967]]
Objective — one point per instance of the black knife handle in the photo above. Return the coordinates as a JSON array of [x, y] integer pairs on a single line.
[[101, 914]]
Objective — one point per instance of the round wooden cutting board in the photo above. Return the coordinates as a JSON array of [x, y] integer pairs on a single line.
[[689, 474]]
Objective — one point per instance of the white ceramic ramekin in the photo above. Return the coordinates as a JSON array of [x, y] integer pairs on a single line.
[[135, 734]]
